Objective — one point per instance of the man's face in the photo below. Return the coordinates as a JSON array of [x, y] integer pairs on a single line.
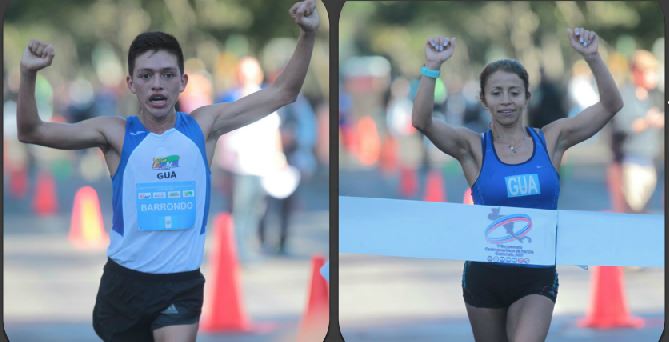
[[157, 82]]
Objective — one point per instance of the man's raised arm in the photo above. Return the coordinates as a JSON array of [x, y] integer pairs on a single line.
[[226, 117], [31, 129]]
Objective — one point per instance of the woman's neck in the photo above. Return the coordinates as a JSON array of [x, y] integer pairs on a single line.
[[508, 134]]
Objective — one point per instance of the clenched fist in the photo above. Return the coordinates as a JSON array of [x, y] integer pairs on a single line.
[[438, 50], [305, 15], [583, 41], [37, 55]]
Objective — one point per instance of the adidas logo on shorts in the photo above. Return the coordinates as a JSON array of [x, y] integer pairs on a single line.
[[171, 310]]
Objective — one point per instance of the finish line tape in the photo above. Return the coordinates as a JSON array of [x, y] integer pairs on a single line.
[[443, 230]]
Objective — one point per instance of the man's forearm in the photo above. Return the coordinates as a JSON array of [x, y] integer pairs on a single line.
[[27, 117], [292, 76]]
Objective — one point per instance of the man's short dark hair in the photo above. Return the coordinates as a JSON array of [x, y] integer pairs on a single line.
[[154, 41]]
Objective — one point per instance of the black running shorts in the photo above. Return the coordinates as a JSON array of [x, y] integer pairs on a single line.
[[131, 304], [488, 285]]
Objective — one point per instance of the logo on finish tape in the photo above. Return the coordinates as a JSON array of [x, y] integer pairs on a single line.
[[507, 228]]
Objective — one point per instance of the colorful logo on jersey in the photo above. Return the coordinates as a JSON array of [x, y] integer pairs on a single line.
[[507, 228], [522, 185], [165, 163]]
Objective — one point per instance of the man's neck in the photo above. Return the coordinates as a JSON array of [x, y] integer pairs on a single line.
[[158, 125]]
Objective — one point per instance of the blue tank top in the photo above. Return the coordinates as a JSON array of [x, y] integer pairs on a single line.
[[160, 198], [531, 184]]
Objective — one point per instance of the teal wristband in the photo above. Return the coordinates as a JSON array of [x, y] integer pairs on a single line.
[[429, 72]]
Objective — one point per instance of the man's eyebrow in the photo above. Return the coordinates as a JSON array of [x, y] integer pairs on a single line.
[[501, 87], [162, 69]]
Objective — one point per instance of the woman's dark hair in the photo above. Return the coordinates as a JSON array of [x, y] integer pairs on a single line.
[[508, 65], [154, 41]]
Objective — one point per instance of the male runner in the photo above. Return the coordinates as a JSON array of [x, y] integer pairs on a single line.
[[152, 288]]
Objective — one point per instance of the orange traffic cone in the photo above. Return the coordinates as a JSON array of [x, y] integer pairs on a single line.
[[86, 225], [18, 182], [44, 202], [314, 323], [369, 143], [389, 159], [223, 305], [434, 187], [467, 197], [348, 139], [408, 182], [608, 308]]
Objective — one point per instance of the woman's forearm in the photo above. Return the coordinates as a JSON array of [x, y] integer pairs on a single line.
[[609, 95], [421, 114]]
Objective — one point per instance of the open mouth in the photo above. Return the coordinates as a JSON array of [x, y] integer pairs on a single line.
[[158, 100]]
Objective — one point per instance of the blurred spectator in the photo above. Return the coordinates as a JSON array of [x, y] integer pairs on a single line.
[[582, 93], [105, 102], [81, 100], [200, 89], [546, 103], [637, 131], [474, 116], [399, 109], [248, 154], [346, 119], [298, 138], [399, 123], [323, 133]]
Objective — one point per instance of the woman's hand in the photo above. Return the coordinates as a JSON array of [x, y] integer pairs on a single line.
[[438, 50], [583, 41]]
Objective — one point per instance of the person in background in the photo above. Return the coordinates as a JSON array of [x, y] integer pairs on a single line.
[[637, 132], [547, 103], [298, 139], [246, 156]]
